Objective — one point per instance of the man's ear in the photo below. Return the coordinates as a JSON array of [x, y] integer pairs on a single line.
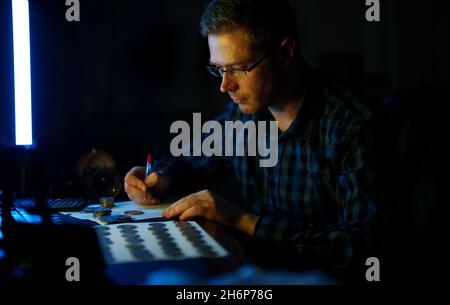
[[287, 51]]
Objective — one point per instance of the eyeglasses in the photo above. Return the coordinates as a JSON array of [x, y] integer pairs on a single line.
[[236, 73]]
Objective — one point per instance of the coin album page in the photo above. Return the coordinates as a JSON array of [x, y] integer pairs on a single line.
[[149, 241]]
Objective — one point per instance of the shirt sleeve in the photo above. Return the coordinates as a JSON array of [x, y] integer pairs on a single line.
[[335, 245]]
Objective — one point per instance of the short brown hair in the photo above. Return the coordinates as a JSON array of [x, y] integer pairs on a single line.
[[266, 21]]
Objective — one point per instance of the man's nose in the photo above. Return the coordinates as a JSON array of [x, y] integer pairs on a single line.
[[228, 83]]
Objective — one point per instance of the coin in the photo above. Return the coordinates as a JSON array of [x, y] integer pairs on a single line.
[[156, 225], [98, 212], [107, 202], [135, 246], [127, 227], [132, 239], [102, 228], [103, 233], [87, 210], [104, 240], [133, 212], [123, 218], [108, 219], [128, 231]]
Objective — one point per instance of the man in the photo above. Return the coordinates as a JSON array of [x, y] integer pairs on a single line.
[[317, 202]]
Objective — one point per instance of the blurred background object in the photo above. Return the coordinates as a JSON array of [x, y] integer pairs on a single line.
[[253, 275], [97, 171], [245, 275]]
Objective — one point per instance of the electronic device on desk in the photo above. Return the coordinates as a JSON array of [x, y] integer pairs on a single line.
[[42, 252], [54, 204]]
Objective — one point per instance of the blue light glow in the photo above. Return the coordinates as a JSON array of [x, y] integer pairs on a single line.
[[22, 73]]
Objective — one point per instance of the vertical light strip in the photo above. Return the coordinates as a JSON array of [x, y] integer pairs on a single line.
[[22, 74]]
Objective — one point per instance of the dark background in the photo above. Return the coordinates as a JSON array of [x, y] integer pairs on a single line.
[[117, 79]]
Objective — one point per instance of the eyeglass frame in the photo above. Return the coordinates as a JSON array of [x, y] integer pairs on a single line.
[[213, 68]]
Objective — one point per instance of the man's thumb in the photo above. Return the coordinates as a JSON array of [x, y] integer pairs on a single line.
[[152, 179]]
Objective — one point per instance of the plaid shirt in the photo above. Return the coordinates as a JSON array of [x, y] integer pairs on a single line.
[[319, 199]]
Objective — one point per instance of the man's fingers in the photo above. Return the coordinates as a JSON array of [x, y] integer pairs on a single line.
[[131, 180], [138, 196], [178, 207], [152, 179], [173, 208], [134, 193], [150, 201], [191, 212]]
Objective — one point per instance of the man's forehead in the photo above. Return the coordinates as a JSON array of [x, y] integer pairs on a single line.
[[229, 47]]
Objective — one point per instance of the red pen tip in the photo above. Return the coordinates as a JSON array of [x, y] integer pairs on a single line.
[[149, 158]]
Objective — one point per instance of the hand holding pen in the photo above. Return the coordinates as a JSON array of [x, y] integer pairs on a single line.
[[145, 186]]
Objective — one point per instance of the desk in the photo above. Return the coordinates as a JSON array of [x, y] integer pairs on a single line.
[[187, 271], [50, 247]]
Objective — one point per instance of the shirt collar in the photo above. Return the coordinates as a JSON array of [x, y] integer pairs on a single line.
[[303, 123]]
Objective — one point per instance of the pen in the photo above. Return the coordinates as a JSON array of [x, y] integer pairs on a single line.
[[148, 170]]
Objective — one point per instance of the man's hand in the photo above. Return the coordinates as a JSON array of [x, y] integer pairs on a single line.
[[213, 207], [136, 185]]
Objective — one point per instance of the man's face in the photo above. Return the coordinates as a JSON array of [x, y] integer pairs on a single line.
[[231, 50]]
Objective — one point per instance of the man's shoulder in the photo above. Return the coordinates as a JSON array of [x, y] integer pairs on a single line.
[[349, 102], [353, 102], [341, 109]]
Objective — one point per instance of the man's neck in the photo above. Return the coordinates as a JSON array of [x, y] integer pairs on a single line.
[[290, 103], [286, 114]]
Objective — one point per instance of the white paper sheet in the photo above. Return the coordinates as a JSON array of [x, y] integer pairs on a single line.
[[149, 212]]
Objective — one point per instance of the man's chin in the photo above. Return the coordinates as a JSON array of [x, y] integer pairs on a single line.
[[246, 109]]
